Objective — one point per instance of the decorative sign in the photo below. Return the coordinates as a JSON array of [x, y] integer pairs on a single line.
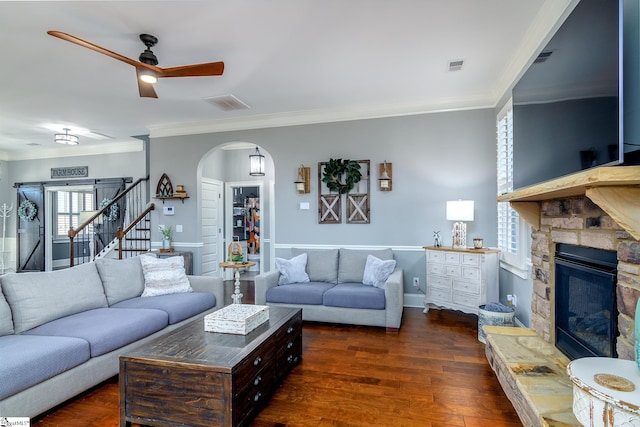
[[70, 172]]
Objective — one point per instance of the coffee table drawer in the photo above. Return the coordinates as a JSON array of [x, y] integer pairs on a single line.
[[246, 372]]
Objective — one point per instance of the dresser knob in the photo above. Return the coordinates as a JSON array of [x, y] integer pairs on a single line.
[[257, 397], [289, 344], [257, 361], [257, 380], [290, 329], [291, 358]]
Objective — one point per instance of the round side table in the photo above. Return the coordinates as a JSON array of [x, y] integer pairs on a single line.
[[237, 266], [606, 391]]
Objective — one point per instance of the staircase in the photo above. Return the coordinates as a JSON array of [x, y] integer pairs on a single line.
[[120, 229]]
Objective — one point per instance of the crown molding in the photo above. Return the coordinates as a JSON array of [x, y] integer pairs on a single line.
[[74, 151], [297, 118]]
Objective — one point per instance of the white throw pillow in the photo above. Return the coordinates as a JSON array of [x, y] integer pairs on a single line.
[[377, 271], [292, 270], [163, 276]]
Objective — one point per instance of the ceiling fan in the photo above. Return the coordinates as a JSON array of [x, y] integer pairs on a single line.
[[146, 68]]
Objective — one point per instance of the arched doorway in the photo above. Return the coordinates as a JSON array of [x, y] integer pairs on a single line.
[[231, 202]]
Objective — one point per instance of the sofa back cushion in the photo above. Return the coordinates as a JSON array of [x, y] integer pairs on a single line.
[[122, 279], [6, 321], [40, 297], [352, 263], [322, 264]]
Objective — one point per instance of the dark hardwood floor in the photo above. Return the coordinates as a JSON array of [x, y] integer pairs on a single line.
[[433, 372]]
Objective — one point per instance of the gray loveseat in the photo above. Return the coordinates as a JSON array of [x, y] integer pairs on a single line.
[[335, 292], [61, 332]]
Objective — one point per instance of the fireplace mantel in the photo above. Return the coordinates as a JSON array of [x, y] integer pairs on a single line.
[[615, 189]]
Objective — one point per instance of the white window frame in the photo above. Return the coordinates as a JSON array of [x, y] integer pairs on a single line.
[[515, 245], [71, 214]]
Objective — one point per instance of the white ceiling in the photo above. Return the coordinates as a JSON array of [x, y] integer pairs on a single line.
[[291, 61]]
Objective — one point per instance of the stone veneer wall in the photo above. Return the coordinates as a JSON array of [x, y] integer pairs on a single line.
[[578, 221]]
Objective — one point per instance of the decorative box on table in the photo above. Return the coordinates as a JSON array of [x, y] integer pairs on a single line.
[[236, 319]]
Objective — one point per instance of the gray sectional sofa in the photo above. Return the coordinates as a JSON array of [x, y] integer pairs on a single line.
[[335, 291], [62, 332]]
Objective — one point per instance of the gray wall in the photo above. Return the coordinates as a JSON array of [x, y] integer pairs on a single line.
[[436, 157], [112, 165]]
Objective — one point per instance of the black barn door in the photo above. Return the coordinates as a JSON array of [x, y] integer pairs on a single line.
[[30, 228]]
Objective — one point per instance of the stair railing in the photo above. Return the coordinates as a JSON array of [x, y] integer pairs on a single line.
[[96, 235]]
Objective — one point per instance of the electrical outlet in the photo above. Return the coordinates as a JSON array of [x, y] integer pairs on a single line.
[[512, 300], [416, 282]]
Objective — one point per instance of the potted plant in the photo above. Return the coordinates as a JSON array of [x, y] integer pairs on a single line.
[[166, 236]]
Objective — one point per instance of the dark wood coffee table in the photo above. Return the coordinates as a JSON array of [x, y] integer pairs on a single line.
[[197, 378]]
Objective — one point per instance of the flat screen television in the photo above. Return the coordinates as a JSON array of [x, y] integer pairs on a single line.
[[577, 106]]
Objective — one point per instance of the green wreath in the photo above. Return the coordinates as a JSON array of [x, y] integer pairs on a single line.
[[335, 169], [27, 210], [113, 210]]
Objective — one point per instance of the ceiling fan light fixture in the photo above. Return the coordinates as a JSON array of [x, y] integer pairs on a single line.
[[66, 138], [148, 76]]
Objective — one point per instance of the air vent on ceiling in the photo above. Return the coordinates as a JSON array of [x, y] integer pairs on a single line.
[[456, 65], [227, 103], [543, 57]]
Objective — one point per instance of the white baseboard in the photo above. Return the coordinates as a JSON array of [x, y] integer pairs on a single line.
[[414, 300]]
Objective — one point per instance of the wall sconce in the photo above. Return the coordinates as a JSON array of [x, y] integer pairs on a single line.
[[385, 176], [256, 164], [459, 211], [303, 183]]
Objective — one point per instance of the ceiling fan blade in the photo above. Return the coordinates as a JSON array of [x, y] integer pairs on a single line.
[[100, 49], [195, 70], [146, 90]]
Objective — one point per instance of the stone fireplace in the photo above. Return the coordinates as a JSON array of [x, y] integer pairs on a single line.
[[579, 221], [598, 209]]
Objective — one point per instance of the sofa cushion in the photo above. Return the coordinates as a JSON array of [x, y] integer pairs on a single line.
[[163, 276], [303, 293], [106, 329], [353, 261], [322, 264], [36, 298], [177, 306], [122, 279], [292, 270], [29, 360], [6, 321], [354, 295], [377, 271]]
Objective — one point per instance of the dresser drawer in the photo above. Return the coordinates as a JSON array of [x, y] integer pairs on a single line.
[[435, 268], [452, 270], [466, 299], [471, 259], [436, 281], [471, 274], [435, 256], [438, 294], [452, 258], [466, 286]]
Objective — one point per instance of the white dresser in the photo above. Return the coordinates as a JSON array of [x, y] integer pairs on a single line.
[[461, 279]]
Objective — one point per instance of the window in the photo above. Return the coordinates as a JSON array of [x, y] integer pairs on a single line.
[[69, 204], [513, 232]]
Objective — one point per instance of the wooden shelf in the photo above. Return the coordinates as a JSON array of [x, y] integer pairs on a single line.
[[163, 198], [615, 189]]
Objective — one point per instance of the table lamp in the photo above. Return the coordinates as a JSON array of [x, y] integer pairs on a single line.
[[459, 211]]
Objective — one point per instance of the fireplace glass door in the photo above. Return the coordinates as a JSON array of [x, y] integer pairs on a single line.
[[586, 314]]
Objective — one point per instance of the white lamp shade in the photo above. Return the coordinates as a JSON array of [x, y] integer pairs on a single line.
[[460, 210]]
